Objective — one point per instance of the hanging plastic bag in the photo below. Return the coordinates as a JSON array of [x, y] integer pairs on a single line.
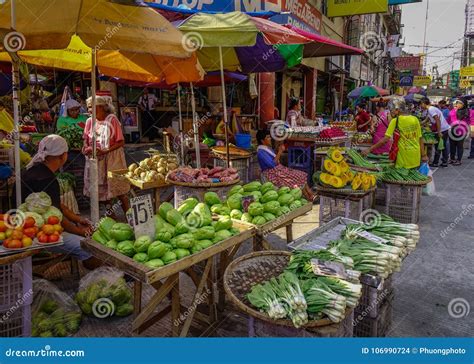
[[441, 144], [53, 313], [424, 169], [430, 189], [104, 293]]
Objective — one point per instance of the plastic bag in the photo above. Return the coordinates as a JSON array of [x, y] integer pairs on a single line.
[[424, 169], [441, 144], [104, 293], [430, 189], [53, 313]]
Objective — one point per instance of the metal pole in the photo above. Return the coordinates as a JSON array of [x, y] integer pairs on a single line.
[[181, 138], [424, 37], [342, 95], [195, 128], [224, 106], [93, 166]]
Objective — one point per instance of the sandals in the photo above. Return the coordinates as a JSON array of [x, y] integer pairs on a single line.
[[457, 163]]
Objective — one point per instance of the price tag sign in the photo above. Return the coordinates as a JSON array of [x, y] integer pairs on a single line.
[[141, 216], [328, 269], [373, 238]]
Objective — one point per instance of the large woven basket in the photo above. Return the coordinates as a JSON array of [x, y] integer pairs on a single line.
[[254, 268], [408, 183]]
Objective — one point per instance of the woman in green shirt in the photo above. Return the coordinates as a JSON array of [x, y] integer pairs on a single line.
[[73, 118], [411, 149]]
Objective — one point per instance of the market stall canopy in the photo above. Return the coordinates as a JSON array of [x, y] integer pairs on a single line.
[[321, 46], [99, 23], [127, 65], [367, 91], [248, 44]]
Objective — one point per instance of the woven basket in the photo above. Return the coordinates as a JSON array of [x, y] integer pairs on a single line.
[[202, 185], [407, 183], [343, 191], [254, 268]]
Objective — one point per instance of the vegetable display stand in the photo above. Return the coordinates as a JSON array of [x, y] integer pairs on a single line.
[[241, 164], [156, 186], [350, 206], [183, 191], [166, 282], [375, 292], [259, 240], [254, 268], [402, 202], [16, 295], [365, 326]]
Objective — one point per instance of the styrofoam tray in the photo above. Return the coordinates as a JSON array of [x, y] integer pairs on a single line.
[[35, 246]]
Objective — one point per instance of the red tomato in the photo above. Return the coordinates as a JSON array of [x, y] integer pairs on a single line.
[[53, 220], [43, 238], [15, 244], [48, 229], [17, 234], [53, 238], [6, 242], [29, 222], [30, 232], [3, 227]]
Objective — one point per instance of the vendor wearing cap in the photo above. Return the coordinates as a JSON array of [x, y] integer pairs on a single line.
[[39, 176], [73, 116]]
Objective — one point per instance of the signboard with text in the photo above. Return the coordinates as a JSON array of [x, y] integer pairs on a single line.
[[467, 71], [420, 81], [406, 79], [410, 63], [355, 7]]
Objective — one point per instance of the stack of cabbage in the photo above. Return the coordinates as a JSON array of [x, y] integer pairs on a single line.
[[39, 207], [268, 203], [179, 233]]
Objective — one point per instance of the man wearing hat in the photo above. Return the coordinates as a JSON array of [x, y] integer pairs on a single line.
[[39, 176], [72, 117]]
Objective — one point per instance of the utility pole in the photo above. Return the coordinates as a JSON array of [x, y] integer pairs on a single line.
[[425, 50]]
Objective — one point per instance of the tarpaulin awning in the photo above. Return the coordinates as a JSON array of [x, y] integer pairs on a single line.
[[323, 47]]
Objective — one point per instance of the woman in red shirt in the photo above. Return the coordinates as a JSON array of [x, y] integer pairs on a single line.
[[362, 118]]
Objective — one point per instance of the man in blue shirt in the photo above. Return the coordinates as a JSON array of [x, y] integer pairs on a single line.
[[444, 108]]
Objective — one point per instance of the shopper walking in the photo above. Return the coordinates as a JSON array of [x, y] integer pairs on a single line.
[[441, 128], [459, 119], [378, 128]]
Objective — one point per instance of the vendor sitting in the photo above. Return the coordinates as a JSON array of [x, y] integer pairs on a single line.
[[73, 116], [39, 176], [275, 172], [294, 117]]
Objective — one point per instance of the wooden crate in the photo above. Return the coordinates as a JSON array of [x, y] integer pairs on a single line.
[[120, 174], [283, 220]]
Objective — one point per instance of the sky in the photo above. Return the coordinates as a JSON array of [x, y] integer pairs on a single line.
[[446, 23]]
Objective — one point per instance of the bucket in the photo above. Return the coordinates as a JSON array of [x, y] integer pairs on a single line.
[[243, 140]]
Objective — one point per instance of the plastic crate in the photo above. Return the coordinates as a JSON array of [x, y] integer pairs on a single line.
[[259, 328], [16, 322], [402, 203], [242, 165], [373, 298], [374, 327], [381, 194], [299, 157], [332, 207], [16, 284]]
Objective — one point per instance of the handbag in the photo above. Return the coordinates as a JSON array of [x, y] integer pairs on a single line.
[[394, 149]]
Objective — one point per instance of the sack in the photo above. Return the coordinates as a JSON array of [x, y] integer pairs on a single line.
[[104, 293], [396, 138], [53, 313], [430, 189]]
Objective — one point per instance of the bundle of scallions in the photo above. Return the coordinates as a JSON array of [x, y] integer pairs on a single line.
[[322, 300]]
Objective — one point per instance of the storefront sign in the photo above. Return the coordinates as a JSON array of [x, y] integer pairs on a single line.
[[421, 81], [465, 83], [406, 79], [304, 12], [467, 71], [354, 7], [364, 72], [411, 63]]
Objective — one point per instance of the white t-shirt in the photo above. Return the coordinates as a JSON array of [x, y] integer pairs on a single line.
[[434, 111], [150, 100]]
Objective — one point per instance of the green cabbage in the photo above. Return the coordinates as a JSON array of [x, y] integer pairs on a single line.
[[53, 211], [38, 202], [38, 218], [255, 209]]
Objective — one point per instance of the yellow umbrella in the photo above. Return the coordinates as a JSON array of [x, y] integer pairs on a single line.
[[130, 66], [101, 25]]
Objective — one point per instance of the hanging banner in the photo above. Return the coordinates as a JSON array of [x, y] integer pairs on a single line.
[[467, 71], [355, 7], [391, 46], [420, 81], [409, 63]]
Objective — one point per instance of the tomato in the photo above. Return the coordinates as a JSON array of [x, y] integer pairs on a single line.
[[15, 244], [53, 238], [9, 233], [26, 241], [48, 229], [3, 226], [53, 220], [17, 234], [3, 236], [29, 222], [30, 232], [6, 242], [58, 227], [43, 238]]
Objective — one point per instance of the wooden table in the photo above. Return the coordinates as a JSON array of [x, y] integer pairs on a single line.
[[155, 185], [260, 242], [166, 282]]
